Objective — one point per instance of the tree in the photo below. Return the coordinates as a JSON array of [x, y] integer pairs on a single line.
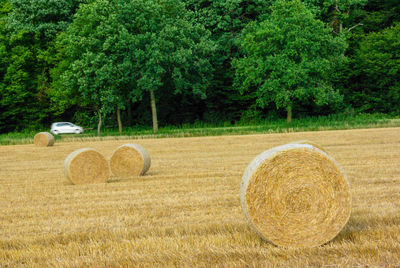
[[27, 29], [289, 58], [19, 98], [45, 18], [96, 64], [225, 19], [175, 54], [360, 91], [4, 60], [377, 72], [172, 52], [120, 50], [20, 103]]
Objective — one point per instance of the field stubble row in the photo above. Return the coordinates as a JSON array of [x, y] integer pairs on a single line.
[[186, 211]]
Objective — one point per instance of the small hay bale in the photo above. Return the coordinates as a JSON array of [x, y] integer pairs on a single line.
[[43, 139], [316, 145], [296, 195], [85, 166], [130, 160]]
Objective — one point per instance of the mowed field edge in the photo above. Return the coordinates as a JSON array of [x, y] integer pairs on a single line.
[[186, 210]]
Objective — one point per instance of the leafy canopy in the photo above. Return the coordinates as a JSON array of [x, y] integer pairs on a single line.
[[378, 71], [115, 51], [289, 58], [43, 17]]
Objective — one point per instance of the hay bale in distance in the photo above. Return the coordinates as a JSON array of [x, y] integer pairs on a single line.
[[85, 166], [43, 139], [296, 195], [130, 160]]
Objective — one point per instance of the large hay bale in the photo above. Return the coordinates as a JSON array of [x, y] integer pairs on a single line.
[[43, 139], [130, 160], [85, 166], [316, 145], [296, 195]]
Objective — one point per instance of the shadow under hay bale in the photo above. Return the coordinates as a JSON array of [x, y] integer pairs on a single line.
[[130, 160], [296, 195], [85, 166], [43, 139]]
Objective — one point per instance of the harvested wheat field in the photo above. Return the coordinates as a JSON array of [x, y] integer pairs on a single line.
[[186, 210]]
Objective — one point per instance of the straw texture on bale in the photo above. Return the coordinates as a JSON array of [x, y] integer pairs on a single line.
[[295, 195], [85, 166], [43, 139], [310, 143], [130, 160]]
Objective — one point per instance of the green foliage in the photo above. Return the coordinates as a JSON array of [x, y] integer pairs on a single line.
[[115, 51], [379, 14], [170, 51], [377, 70], [27, 56], [82, 75], [19, 100], [4, 61], [45, 18], [226, 19], [289, 58], [339, 14]]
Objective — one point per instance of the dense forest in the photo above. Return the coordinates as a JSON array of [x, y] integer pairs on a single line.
[[171, 62]]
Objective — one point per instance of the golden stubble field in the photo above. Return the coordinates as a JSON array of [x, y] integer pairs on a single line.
[[186, 210]]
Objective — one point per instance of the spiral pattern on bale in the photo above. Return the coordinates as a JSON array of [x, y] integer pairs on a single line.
[[296, 195], [43, 139], [86, 166], [130, 160]]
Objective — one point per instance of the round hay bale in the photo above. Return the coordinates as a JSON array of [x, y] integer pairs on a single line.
[[296, 195], [130, 160], [85, 166], [43, 139], [316, 145]]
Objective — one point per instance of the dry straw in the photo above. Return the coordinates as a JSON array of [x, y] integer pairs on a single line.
[[296, 195], [316, 145], [43, 139], [85, 166], [130, 160]]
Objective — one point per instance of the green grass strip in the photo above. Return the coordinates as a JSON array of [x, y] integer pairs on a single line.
[[331, 122]]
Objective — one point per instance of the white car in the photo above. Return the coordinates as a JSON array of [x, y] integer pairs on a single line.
[[65, 127]]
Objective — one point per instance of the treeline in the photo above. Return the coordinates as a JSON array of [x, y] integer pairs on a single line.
[[140, 62]]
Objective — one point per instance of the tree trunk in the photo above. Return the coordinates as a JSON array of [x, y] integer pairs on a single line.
[[154, 111], [119, 120], [289, 114], [99, 124]]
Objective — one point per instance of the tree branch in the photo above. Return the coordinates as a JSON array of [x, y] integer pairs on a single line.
[[337, 7], [351, 28]]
